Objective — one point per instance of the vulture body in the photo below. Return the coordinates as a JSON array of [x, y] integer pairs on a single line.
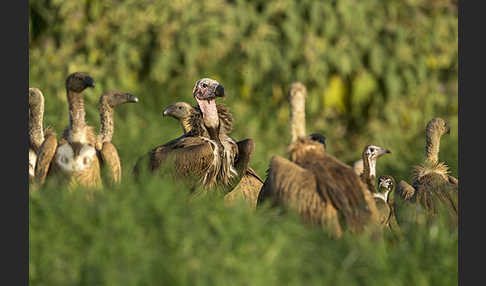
[[322, 189], [74, 157], [207, 161], [433, 189], [190, 119], [36, 131], [107, 151]]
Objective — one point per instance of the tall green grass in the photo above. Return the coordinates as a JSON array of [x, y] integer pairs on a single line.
[[153, 234]]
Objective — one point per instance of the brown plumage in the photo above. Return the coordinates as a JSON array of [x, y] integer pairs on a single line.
[[74, 157], [296, 187], [36, 131], [190, 118], [433, 188], [322, 189], [208, 160], [109, 100]]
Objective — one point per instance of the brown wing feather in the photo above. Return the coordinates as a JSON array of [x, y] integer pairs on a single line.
[[340, 184], [45, 155], [248, 189], [110, 157], [290, 185], [186, 157]]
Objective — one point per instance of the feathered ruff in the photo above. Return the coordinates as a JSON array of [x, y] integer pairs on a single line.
[[88, 136], [423, 169]]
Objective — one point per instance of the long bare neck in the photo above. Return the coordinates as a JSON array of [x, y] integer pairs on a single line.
[[77, 112], [432, 145], [369, 172], [107, 122], [36, 131], [297, 115]]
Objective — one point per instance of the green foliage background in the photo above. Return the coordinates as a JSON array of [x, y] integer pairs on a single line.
[[376, 72]]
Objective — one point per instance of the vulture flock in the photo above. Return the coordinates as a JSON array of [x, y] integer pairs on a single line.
[[318, 186]]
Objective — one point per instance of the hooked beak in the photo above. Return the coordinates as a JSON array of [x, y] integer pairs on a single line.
[[219, 92], [89, 81], [131, 98], [448, 129], [166, 110], [383, 151]]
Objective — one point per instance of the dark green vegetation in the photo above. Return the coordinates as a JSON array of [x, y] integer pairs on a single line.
[[375, 71]]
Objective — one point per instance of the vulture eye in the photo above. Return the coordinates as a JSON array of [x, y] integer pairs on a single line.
[[204, 85], [180, 107]]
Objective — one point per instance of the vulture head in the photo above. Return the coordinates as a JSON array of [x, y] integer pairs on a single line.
[[437, 127], [179, 110], [386, 183], [372, 152], [318, 138], [205, 92], [207, 89], [36, 98], [75, 157], [114, 98], [78, 81]]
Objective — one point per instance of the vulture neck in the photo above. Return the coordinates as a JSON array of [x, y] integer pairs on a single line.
[[210, 118], [107, 121], [369, 171], [77, 112], [36, 131], [432, 145], [297, 115], [186, 124]]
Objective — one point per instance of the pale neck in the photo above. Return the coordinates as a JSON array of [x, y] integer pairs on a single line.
[[77, 112], [36, 130], [369, 170], [107, 123], [432, 148], [297, 116]]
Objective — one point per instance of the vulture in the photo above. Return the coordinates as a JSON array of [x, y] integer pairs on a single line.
[[205, 160], [319, 187], [36, 131], [74, 157], [384, 202], [370, 155], [190, 119], [433, 189], [108, 153]]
